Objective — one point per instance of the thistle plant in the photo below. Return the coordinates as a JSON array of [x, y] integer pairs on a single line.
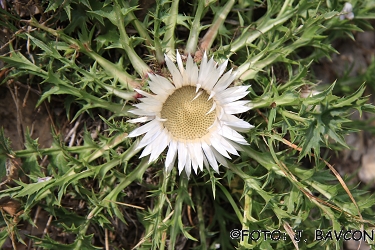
[[214, 86]]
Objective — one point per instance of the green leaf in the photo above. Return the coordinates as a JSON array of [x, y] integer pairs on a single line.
[[312, 140], [49, 243], [5, 144], [32, 188], [347, 101]]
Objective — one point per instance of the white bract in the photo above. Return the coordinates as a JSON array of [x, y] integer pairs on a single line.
[[193, 114]]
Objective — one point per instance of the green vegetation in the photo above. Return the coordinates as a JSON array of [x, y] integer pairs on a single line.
[[92, 54]]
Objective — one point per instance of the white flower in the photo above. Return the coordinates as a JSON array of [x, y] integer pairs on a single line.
[[347, 12], [193, 114]]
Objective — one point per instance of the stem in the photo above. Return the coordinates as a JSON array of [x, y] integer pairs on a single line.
[[263, 159], [286, 4], [258, 66], [286, 98], [249, 37], [171, 22], [192, 42], [249, 64], [139, 65], [115, 71], [139, 27], [136, 174], [126, 95], [292, 116], [211, 34], [202, 227], [111, 144], [158, 47], [176, 220], [246, 214], [161, 204]]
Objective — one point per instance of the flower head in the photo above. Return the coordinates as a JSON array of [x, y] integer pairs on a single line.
[[193, 114], [347, 12]]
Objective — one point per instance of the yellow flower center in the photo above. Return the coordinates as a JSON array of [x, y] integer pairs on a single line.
[[187, 118]]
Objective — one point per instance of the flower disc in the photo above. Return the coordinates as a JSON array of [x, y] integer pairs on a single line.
[[188, 118]]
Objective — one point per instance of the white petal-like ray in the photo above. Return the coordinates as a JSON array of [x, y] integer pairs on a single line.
[[229, 99], [205, 162], [149, 107], [234, 90], [141, 119], [179, 63], [143, 129], [213, 93], [151, 101], [210, 157], [197, 147], [150, 136], [160, 143], [162, 94], [142, 112], [149, 96], [231, 95], [171, 155], [165, 83], [192, 156], [211, 66], [213, 74], [221, 150], [198, 87], [182, 152], [220, 158], [235, 123], [198, 94], [188, 165], [237, 146], [203, 66], [144, 93], [204, 71], [232, 134], [191, 72], [212, 108], [222, 67], [160, 85], [154, 88], [177, 77], [147, 150], [210, 83], [169, 168], [222, 146], [236, 107], [225, 81]]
